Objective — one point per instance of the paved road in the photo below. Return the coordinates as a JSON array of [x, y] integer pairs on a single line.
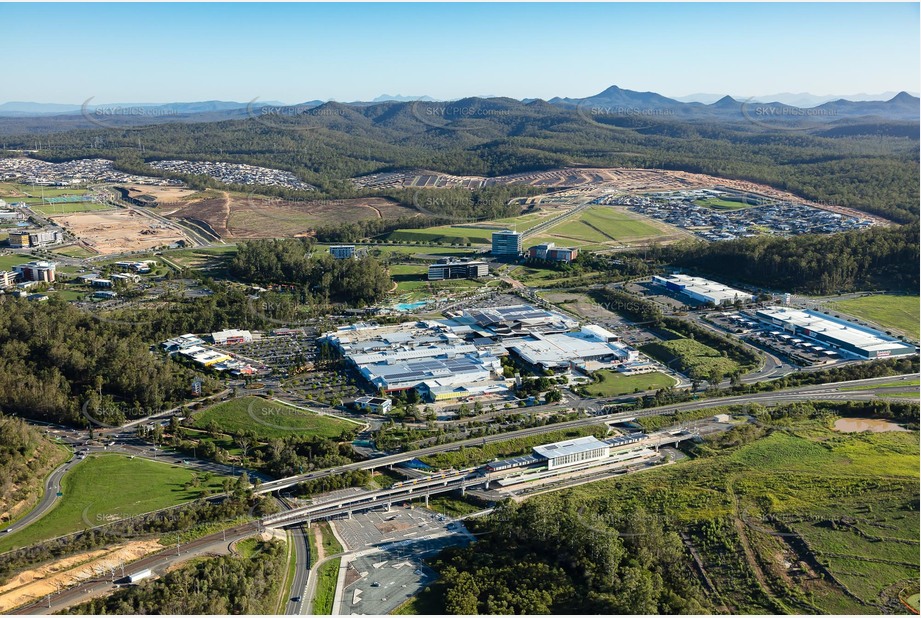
[[52, 487], [826, 391], [159, 563]]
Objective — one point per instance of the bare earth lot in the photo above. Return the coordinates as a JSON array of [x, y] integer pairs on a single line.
[[163, 194], [259, 217], [115, 231]]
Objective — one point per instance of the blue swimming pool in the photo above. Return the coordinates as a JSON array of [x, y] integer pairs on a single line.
[[410, 306]]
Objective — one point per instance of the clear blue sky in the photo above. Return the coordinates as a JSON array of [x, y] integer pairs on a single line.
[[66, 53]]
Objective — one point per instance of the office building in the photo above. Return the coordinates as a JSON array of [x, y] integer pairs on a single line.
[[36, 271], [452, 268], [551, 253], [506, 243], [342, 252]]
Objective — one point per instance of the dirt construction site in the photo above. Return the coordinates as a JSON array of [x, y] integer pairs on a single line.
[[49, 578], [118, 231], [251, 216]]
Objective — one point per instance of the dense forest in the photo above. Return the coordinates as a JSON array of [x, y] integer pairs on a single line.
[[54, 359], [866, 167], [360, 281], [877, 258], [236, 584], [629, 565], [26, 457]]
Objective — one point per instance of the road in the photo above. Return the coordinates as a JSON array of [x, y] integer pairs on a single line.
[[50, 496], [821, 391], [159, 563]]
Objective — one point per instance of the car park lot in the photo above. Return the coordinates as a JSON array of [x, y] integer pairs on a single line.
[[388, 566], [796, 349]]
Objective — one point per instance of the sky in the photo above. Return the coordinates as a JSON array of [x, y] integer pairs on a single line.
[[158, 53]]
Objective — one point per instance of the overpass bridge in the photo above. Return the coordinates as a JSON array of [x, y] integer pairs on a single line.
[[424, 488]]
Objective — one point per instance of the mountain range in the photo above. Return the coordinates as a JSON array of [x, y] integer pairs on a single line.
[[614, 105]]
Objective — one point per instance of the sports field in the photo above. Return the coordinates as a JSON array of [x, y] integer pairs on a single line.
[[612, 383], [269, 419], [900, 312], [106, 488], [14, 192], [66, 208]]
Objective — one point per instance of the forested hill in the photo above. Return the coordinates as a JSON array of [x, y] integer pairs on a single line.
[[867, 163], [26, 457], [877, 258]]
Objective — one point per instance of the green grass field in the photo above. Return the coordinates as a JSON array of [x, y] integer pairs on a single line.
[[67, 208], [901, 312], [8, 261], [269, 419], [596, 228], [693, 357], [74, 251], [13, 192], [613, 383], [105, 488]]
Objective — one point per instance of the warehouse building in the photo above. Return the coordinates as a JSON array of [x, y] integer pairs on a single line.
[[452, 268], [572, 452], [703, 290], [838, 335], [506, 243], [231, 336], [592, 344]]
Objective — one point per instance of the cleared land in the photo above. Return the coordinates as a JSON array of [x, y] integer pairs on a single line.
[[721, 204], [611, 383], [235, 215], [898, 312], [269, 419], [803, 521], [106, 488], [116, 231]]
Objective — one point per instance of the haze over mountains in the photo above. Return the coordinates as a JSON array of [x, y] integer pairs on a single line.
[[614, 106], [613, 94]]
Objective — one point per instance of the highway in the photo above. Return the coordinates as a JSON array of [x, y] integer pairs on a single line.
[[867, 389], [820, 391], [159, 563]]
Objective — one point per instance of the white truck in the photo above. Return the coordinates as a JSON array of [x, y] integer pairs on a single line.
[[136, 577]]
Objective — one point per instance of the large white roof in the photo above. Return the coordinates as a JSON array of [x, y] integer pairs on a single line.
[[570, 447]]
